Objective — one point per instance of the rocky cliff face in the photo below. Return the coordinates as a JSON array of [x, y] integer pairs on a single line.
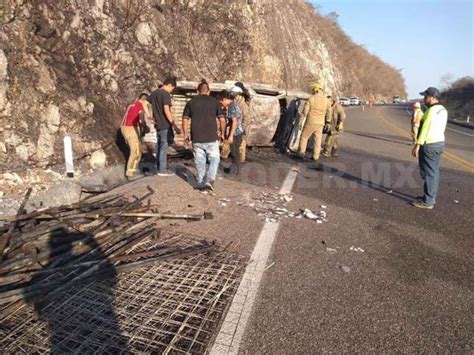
[[71, 67]]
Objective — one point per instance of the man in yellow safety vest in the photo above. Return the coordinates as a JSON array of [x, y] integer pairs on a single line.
[[429, 146]]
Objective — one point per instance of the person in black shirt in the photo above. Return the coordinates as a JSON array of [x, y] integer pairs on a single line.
[[160, 100], [204, 112]]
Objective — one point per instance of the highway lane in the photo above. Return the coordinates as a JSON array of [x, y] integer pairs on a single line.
[[459, 140], [411, 289]]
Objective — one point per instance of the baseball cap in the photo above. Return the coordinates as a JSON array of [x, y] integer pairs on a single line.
[[431, 91], [240, 84], [236, 89]]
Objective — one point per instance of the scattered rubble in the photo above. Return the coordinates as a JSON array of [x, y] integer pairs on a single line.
[[345, 268], [223, 201], [272, 207]]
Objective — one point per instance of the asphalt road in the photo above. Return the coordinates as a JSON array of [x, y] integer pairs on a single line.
[[412, 287]]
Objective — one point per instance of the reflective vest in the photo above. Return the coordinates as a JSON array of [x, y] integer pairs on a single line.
[[433, 125]]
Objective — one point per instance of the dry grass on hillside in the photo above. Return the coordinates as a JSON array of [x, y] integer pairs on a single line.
[[459, 98]]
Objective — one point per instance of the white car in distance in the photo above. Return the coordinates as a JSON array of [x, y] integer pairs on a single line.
[[344, 101], [354, 101]]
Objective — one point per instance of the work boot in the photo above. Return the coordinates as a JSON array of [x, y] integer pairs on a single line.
[[209, 185], [135, 177], [326, 154], [166, 173], [421, 204], [232, 170]]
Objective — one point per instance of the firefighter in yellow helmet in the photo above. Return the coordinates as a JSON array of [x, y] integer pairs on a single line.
[[315, 112]]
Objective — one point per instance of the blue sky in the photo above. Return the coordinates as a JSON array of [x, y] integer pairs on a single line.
[[427, 38]]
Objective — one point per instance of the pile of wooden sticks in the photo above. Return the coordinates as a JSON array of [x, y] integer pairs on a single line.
[[45, 251]]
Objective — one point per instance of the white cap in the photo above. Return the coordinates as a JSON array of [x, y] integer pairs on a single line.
[[237, 90]]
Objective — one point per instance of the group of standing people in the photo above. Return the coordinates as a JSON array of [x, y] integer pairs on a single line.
[[206, 123], [209, 122], [322, 114]]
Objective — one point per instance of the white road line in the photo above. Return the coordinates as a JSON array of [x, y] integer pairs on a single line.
[[232, 331], [461, 132]]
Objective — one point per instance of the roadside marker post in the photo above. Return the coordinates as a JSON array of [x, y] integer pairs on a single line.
[[68, 156]]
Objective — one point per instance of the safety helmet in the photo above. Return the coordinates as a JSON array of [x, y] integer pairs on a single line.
[[316, 87]]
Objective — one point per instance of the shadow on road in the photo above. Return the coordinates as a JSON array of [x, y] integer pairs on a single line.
[[381, 137], [183, 172], [83, 321], [332, 171]]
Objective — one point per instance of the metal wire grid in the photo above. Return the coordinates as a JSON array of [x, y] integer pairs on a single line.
[[172, 307]]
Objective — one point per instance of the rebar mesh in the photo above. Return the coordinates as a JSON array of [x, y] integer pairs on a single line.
[[171, 307]]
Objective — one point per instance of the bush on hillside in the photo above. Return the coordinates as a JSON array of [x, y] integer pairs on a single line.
[[459, 98]]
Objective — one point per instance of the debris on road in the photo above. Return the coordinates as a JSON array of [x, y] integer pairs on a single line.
[[309, 214], [223, 201], [319, 218], [331, 250], [390, 191], [272, 207], [72, 243], [269, 266], [345, 268], [357, 250], [104, 261], [456, 201]]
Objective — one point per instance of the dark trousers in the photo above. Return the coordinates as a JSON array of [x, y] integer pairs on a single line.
[[235, 152], [429, 158]]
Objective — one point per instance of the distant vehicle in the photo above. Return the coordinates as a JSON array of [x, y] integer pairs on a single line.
[[397, 100], [354, 101], [344, 101]]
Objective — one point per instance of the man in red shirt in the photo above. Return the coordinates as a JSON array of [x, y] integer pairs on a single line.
[[133, 119]]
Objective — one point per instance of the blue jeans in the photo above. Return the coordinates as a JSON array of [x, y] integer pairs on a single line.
[[161, 149], [429, 158], [202, 152]]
